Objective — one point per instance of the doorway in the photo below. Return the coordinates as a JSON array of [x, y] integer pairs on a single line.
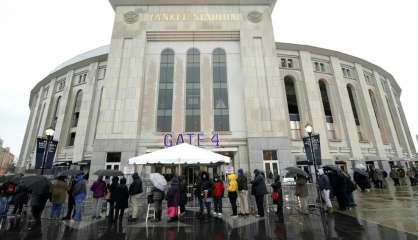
[[271, 164]]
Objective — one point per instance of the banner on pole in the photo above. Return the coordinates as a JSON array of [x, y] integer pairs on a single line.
[[40, 152], [316, 149]]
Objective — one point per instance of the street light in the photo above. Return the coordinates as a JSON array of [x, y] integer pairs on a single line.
[[49, 136]]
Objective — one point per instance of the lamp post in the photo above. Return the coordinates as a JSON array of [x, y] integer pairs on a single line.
[[49, 136], [309, 131]]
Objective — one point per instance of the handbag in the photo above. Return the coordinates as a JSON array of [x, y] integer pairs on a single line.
[[108, 195], [275, 196], [172, 212]]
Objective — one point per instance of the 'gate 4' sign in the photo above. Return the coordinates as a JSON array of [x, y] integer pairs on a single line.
[[190, 138]]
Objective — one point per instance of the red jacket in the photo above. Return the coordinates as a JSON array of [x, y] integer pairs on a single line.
[[218, 190]]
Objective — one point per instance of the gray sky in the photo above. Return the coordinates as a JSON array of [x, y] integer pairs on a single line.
[[37, 36]]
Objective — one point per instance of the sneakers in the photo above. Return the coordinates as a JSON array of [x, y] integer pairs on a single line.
[[234, 216], [220, 214]]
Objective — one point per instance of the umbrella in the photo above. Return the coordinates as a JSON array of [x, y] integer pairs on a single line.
[[70, 172], [108, 173], [158, 181], [12, 178], [360, 171], [293, 171], [36, 184], [332, 168]]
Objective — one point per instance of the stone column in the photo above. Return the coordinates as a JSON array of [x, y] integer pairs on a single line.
[[316, 111], [349, 122], [370, 116]]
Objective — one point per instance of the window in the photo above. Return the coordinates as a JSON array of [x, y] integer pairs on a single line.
[[60, 85], [322, 67], [271, 165], [101, 73], [77, 107], [378, 118], [193, 91], [329, 119], [80, 78], [292, 102], [113, 157], [317, 69], [220, 91], [165, 92], [353, 104], [286, 63], [269, 155], [348, 72], [71, 139], [55, 116]]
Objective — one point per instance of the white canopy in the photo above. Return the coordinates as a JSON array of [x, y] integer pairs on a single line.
[[180, 154]]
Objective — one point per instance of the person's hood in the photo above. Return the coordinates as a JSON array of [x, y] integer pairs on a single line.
[[175, 181], [135, 176], [256, 172], [204, 174], [321, 171], [232, 177], [240, 172], [277, 178], [79, 178], [115, 179]]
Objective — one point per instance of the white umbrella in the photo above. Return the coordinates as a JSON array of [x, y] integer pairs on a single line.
[[181, 154], [158, 181]]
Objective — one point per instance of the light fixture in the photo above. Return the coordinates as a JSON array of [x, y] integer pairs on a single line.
[[49, 132], [308, 128]]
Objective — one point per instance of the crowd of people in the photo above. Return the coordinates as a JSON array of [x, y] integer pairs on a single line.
[[116, 196]]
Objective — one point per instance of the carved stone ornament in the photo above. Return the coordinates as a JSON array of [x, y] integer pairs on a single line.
[[130, 17], [255, 16]]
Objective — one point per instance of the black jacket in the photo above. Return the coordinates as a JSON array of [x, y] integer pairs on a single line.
[[136, 186], [121, 196], [258, 185], [242, 183], [324, 183]]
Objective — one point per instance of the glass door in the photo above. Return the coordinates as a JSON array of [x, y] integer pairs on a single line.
[[271, 164]]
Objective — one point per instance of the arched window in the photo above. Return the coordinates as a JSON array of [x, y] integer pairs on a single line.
[[292, 101], [165, 92], [77, 108], [375, 109], [325, 102], [193, 91], [220, 91], [56, 110], [353, 104]]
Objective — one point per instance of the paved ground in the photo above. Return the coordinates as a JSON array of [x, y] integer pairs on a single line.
[[381, 214]]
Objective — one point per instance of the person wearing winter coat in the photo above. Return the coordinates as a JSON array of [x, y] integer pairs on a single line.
[[173, 199], [378, 175], [233, 193], [79, 195], [402, 176], [394, 174], [259, 189], [20, 198], [340, 191], [111, 189], [301, 191], [411, 174], [183, 194], [325, 188], [203, 191], [121, 198], [244, 208], [157, 197], [277, 189], [218, 193], [99, 189], [351, 187], [135, 190], [58, 195]]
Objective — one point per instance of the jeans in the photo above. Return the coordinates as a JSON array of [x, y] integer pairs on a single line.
[[217, 204], [243, 202], [70, 208], [135, 201], [97, 206], [4, 206], [77, 215], [158, 206], [233, 199], [37, 212], [56, 210], [259, 200], [203, 204]]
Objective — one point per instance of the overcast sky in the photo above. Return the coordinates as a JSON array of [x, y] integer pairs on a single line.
[[37, 36]]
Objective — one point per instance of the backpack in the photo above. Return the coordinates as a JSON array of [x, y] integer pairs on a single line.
[[10, 188], [275, 196]]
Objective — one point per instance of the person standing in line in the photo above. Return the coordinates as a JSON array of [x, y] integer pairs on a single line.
[[173, 199], [218, 193], [233, 193], [183, 194], [99, 189], [38, 201], [394, 174], [70, 200], [135, 190], [378, 175], [351, 187], [244, 208], [325, 188], [58, 194], [203, 191], [112, 192], [340, 191], [302, 192], [411, 174], [277, 196], [259, 189], [402, 175], [121, 200], [157, 197], [79, 194]]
